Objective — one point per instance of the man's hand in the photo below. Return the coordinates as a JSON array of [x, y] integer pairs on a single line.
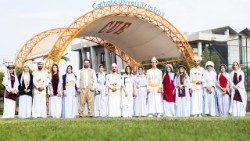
[[126, 94], [78, 90], [40, 89], [64, 94], [160, 90], [92, 90], [209, 89], [198, 82], [113, 89], [134, 94]]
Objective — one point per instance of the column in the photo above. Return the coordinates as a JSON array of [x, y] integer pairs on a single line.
[[93, 58], [82, 57], [113, 58], [107, 59], [199, 49], [119, 63], [227, 33]]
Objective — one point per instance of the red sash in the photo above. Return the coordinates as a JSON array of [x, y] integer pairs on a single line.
[[9, 95], [168, 85], [182, 92], [223, 81], [237, 96], [55, 82]]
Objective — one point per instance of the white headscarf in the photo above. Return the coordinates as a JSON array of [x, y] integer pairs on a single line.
[[25, 76], [7, 82]]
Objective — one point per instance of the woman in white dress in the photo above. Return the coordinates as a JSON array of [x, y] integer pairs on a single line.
[[209, 84], [55, 92], [69, 83], [101, 99], [223, 91], [25, 93], [10, 82], [169, 92], [182, 84], [140, 101], [127, 93], [238, 92]]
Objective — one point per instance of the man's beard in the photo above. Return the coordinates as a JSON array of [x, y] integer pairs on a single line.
[[40, 68], [113, 70], [85, 66]]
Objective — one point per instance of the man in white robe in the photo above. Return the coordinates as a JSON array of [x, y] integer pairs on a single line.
[[196, 88], [41, 81], [154, 85], [113, 84]]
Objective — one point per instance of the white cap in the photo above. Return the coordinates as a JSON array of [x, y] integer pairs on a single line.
[[154, 59], [210, 63], [40, 62], [114, 65], [25, 65], [196, 58]]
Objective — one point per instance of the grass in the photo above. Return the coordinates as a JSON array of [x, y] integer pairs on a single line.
[[121, 129]]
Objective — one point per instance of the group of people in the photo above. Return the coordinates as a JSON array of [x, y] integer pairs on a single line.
[[135, 93], [204, 91]]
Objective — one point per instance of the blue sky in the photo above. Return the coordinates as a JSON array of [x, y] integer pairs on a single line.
[[22, 19]]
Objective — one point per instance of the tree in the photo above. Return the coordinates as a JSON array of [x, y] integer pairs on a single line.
[[1, 85], [64, 57], [210, 54]]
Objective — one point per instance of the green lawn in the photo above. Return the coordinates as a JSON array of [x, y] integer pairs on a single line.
[[205, 128], [116, 129]]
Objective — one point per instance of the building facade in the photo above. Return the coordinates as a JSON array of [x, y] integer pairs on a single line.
[[98, 55], [229, 44]]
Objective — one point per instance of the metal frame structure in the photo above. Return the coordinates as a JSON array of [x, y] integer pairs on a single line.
[[69, 33], [117, 10], [26, 49], [111, 47]]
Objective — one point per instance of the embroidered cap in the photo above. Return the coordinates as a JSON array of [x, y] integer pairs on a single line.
[[154, 60]]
